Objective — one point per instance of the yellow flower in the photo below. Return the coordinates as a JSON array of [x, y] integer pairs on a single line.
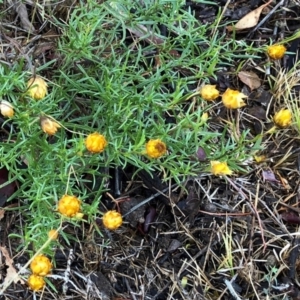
[[276, 51], [233, 99], [36, 282], [209, 92], [260, 158], [49, 126], [41, 265], [112, 220], [95, 142], [6, 109], [156, 148], [37, 88], [220, 168], [53, 234], [68, 205], [283, 118]]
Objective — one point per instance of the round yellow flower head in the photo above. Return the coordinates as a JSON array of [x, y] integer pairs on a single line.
[[36, 282], [112, 220], [53, 234], [220, 168], [283, 118], [233, 99], [276, 51], [41, 265], [6, 109], [95, 142], [69, 206], [156, 148], [49, 126], [37, 88], [209, 92]]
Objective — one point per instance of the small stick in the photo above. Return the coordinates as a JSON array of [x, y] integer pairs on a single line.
[[264, 19], [68, 271], [231, 288]]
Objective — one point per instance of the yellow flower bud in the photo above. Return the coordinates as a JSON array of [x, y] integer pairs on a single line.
[[79, 216], [37, 88], [36, 282], [260, 158], [220, 168], [95, 142], [233, 99], [184, 281], [276, 51], [283, 118], [69, 206], [204, 117], [112, 220], [209, 92], [41, 265], [49, 126], [53, 234], [6, 109], [156, 148]]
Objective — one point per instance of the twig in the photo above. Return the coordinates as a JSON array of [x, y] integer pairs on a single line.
[[231, 288], [250, 34], [68, 271]]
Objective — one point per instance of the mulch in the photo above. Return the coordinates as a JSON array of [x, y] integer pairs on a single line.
[[211, 238]]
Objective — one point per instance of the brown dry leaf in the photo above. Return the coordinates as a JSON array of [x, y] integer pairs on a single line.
[[258, 112], [250, 79], [11, 273], [2, 212], [249, 20], [23, 14]]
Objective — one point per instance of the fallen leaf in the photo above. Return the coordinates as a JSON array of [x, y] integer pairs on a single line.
[[269, 176], [290, 217], [11, 273], [2, 212], [23, 14], [249, 20], [250, 79]]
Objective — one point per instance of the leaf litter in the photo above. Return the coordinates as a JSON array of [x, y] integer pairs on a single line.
[[249, 20], [11, 273], [211, 223]]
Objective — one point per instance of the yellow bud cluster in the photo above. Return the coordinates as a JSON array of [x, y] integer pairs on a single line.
[[40, 267], [112, 220], [283, 118], [69, 206], [156, 148], [276, 51], [220, 168], [233, 99], [95, 142]]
